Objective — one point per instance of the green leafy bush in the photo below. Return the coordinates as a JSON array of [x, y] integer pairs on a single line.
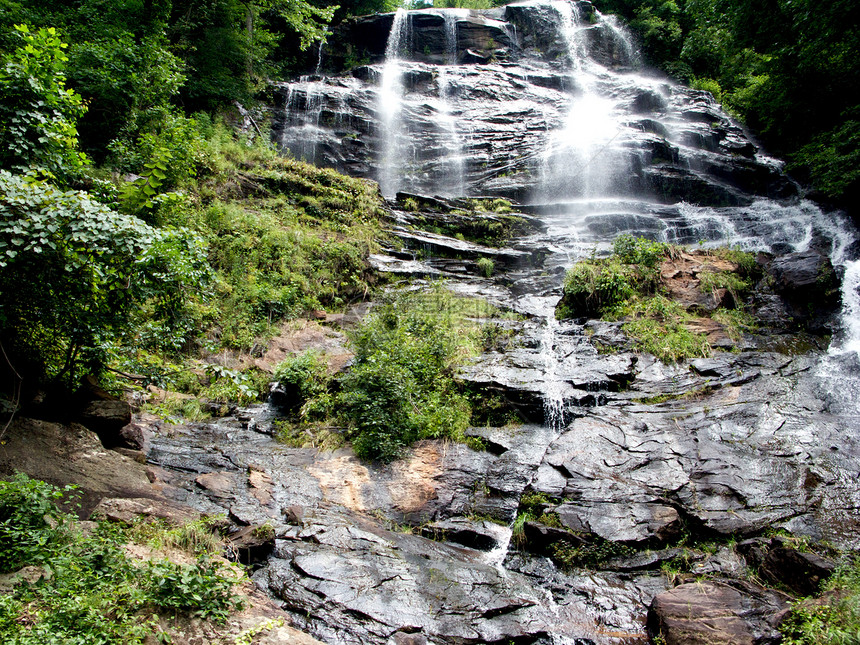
[[91, 591], [38, 115], [486, 266], [31, 526], [306, 382], [639, 250], [87, 267], [401, 387], [594, 286]]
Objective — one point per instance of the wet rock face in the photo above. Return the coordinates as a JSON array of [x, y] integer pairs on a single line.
[[354, 582], [717, 613], [482, 102]]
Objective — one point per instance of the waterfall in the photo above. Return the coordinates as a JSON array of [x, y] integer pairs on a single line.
[[567, 123], [451, 139], [450, 17], [303, 106], [318, 69], [389, 105]]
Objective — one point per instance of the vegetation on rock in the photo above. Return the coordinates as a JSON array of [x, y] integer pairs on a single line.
[[87, 589], [629, 286]]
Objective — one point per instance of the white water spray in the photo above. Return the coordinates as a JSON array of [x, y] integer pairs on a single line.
[[389, 103]]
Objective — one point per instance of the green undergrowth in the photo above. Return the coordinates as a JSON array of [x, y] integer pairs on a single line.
[[401, 385], [216, 243], [88, 589], [657, 326], [832, 619], [282, 238], [596, 285], [626, 286], [491, 222]]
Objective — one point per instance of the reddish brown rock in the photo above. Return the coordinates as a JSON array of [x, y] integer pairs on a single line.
[[717, 613]]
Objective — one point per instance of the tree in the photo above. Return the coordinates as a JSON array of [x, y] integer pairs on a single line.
[[38, 114], [85, 267]]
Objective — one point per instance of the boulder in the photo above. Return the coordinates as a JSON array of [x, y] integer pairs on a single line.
[[71, 454], [106, 419], [802, 572], [717, 613]]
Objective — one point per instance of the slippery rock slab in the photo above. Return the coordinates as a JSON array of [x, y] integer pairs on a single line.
[[717, 613], [348, 580], [71, 454], [730, 459]]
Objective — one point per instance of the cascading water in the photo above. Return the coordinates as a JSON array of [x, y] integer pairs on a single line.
[[390, 105], [454, 184], [548, 105]]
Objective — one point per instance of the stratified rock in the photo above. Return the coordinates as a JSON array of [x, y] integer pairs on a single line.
[[476, 534], [800, 571], [809, 286], [349, 580], [717, 613]]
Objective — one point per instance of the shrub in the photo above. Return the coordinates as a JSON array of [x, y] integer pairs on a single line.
[[87, 267], [38, 115], [305, 381], [92, 591], [401, 387], [639, 250], [486, 266], [594, 286], [835, 619], [31, 525]]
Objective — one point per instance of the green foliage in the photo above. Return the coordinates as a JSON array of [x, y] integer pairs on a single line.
[[31, 526], [832, 160], [87, 266], [306, 381], [200, 589], [38, 115], [710, 281], [92, 592], [594, 286], [639, 250], [165, 159], [735, 322], [589, 554], [228, 385], [833, 620], [401, 387], [486, 266]]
